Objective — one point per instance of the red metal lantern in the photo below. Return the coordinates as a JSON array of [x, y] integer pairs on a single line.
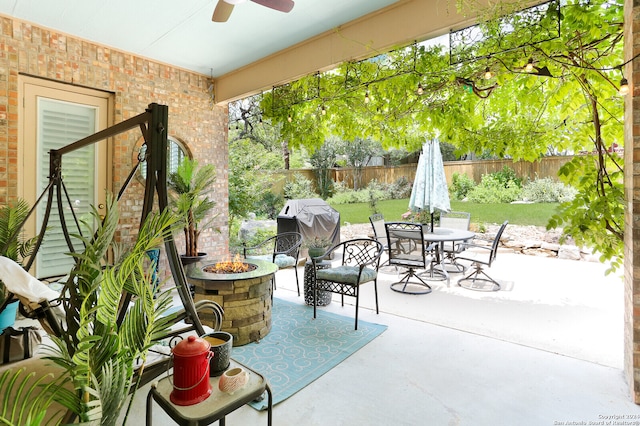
[[191, 371]]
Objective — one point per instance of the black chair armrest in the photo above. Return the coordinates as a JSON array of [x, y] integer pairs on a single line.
[[314, 260], [466, 246], [248, 250], [291, 251]]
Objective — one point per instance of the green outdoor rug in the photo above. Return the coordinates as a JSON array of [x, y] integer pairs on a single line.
[[299, 349]]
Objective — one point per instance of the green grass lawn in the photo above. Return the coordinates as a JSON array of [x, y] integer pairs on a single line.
[[517, 214]]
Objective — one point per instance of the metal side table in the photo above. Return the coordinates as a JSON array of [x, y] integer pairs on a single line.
[[324, 297], [214, 408]]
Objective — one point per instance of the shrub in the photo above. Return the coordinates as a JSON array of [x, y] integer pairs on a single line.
[[344, 195], [339, 187], [421, 216], [401, 188], [546, 190], [350, 196], [507, 177], [236, 242], [377, 190], [269, 205], [461, 184], [492, 190], [397, 156], [376, 193], [322, 160], [299, 187]]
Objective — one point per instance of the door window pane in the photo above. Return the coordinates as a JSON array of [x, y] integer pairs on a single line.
[[59, 124]]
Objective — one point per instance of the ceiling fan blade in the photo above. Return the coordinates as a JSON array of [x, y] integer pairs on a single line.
[[222, 11], [280, 5]]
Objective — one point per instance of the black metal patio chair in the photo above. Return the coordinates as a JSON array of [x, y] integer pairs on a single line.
[[284, 251], [454, 220], [380, 232], [407, 250], [485, 256], [359, 265]]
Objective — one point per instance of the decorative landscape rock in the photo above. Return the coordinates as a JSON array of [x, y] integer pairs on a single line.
[[569, 252], [248, 228]]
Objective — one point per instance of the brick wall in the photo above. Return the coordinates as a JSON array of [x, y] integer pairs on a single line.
[[632, 200], [135, 82]]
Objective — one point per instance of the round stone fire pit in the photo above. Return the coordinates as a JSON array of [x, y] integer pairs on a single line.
[[244, 296]]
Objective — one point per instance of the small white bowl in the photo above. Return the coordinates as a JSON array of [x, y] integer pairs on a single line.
[[233, 379]]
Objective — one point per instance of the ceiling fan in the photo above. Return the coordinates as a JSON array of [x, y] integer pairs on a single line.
[[225, 7]]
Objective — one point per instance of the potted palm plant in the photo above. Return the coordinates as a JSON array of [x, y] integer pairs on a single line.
[[16, 247], [191, 185]]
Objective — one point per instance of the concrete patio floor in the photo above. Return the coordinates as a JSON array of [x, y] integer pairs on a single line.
[[546, 350]]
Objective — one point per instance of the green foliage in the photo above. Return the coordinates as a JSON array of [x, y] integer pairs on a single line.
[[547, 190], [25, 399], [567, 103], [298, 158], [322, 160], [269, 205], [397, 156], [373, 203], [460, 186], [401, 188], [376, 193], [13, 243], [299, 188], [358, 153], [343, 195], [372, 194], [350, 196], [595, 217], [448, 151], [492, 189], [507, 177], [97, 352], [246, 193], [236, 241]]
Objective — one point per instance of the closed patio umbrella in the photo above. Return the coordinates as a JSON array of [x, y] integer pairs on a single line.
[[430, 191]]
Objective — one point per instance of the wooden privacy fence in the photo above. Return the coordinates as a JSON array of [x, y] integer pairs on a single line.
[[545, 167]]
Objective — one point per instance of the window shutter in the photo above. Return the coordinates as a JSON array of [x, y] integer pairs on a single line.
[[175, 155], [60, 123]]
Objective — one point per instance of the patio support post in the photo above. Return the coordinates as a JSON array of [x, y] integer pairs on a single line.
[[632, 202]]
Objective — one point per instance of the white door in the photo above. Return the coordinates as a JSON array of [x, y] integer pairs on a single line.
[[54, 116]]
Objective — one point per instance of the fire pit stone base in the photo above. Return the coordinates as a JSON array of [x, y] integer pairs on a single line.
[[245, 298]]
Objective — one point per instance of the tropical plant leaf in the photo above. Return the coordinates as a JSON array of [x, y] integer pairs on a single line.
[[12, 243], [101, 353], [25, 398]]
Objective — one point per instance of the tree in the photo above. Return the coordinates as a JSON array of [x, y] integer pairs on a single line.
[[566, 99], [358, 154], [577, 108], [323, 159], [245, 189]]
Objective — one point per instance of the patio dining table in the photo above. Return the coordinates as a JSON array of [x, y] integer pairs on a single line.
[[440, 236]]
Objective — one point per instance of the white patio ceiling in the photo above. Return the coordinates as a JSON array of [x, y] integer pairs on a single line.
[[258, 47]]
